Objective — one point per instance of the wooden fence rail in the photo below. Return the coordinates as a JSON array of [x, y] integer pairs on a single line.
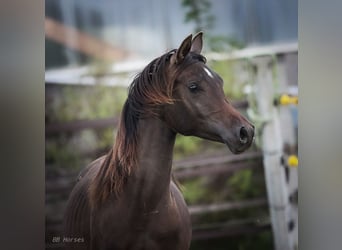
[[231, 229], [226, 206], [74, 126], [200, 161], [78, 125], [183, 169]]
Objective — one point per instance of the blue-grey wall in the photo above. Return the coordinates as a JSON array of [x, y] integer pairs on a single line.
[[150, 27]]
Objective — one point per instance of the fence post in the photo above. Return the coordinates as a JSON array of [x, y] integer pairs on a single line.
[[272, 148], [290, 140]]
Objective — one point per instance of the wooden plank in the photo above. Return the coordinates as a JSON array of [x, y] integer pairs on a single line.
[[194, 210], [217, 160], [227, 206], [82, 42], [77, 125], [254, 51], [205, 170], [182, 169], [230, 229], [74, 126]]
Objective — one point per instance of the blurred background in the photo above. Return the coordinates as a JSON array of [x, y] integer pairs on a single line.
[[93, 50]]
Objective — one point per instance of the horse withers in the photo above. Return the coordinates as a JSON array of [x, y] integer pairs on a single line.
[[127, 199]]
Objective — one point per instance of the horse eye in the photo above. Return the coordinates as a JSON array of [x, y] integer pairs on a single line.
[[193, 87]]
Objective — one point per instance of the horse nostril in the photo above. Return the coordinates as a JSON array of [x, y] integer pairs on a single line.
[[243, 135]]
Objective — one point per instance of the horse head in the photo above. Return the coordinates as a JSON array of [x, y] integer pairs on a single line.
[[199, 106]]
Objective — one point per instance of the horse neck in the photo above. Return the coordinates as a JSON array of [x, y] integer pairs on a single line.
[[151, 180]]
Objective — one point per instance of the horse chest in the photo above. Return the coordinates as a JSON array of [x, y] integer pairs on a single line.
[[160, 229]]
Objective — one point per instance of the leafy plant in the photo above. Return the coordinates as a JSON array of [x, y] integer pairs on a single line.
[[198, 11]]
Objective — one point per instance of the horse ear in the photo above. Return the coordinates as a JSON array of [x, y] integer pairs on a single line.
[[197, 43], [183, 50]]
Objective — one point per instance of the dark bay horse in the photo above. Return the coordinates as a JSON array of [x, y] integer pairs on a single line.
[[126, 199]]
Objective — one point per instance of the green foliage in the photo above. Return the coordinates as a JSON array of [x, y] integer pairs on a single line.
[[60, 156], [198, 11], [69, 103], [106, 137], [262, 240], [224, 43], [245, 184], [233, 89], [77, 103], [194, 191], [241, 183], [186, 145]]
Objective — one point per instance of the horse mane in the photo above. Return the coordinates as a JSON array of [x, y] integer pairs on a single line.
[[149, 90]]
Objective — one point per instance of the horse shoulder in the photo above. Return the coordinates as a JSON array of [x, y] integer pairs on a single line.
[[182, 208], [77, 213], [172, 224]]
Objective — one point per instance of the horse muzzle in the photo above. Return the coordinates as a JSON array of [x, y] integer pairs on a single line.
[[241, 140]]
